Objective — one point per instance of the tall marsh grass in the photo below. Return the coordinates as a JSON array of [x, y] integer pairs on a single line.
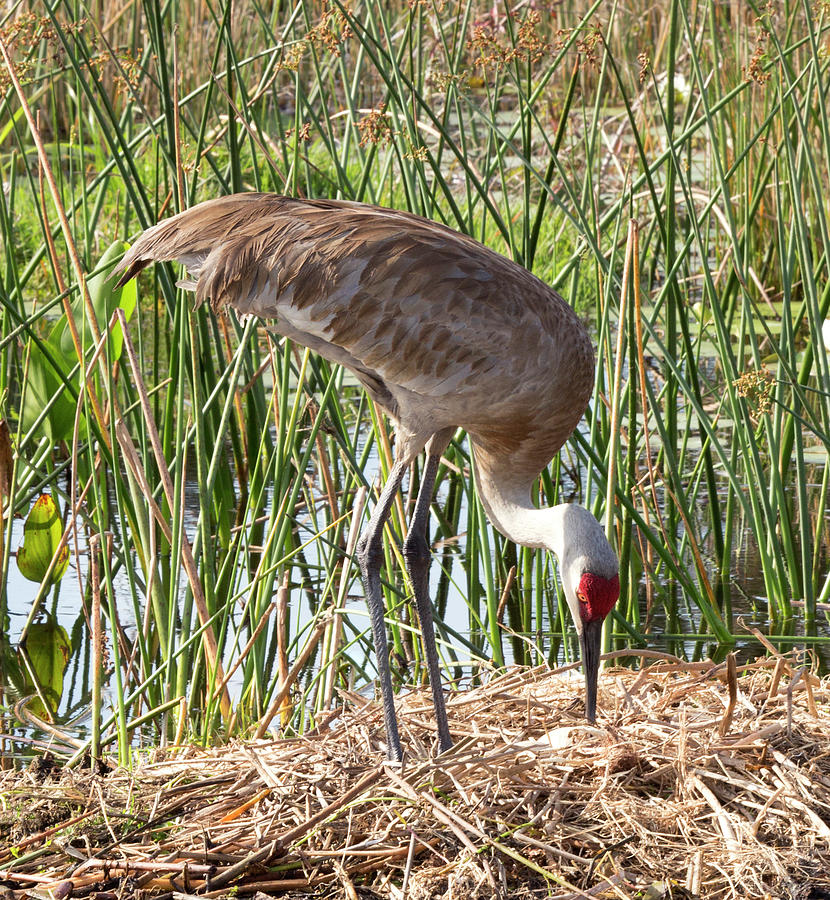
[[664, 167]]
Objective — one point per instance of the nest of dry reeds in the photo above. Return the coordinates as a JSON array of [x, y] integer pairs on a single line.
[[701, 780]]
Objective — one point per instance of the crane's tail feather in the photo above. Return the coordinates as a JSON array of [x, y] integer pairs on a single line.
[[171, 239], [205, 239]]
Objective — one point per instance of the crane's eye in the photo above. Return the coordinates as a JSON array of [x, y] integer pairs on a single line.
[[580, 595]]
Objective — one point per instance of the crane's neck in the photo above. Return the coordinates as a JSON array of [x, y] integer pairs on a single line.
[[506, 499], [568, 530]]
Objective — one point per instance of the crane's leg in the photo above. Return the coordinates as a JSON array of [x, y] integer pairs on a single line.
[[369, 553], [416, 556]]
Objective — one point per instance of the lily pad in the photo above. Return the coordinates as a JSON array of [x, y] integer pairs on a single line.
[[41, 536]]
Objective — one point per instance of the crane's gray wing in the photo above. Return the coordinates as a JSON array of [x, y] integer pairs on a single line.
[[414, 308]]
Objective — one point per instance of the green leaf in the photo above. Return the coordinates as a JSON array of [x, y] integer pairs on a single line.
[[41, 536], [105, 300], [53, 367], [49, 372], [47, 648]]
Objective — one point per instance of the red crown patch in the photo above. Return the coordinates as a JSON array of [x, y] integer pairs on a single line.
[[597, 596]]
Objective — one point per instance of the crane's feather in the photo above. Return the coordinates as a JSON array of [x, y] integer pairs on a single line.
[[441, 329]]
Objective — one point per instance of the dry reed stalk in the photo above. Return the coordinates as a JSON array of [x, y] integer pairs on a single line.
[[531, 802]]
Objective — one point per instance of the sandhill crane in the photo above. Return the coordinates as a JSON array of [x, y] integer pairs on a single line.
[[443, 333]]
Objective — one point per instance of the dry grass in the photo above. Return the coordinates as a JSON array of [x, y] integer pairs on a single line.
[[700, 782]]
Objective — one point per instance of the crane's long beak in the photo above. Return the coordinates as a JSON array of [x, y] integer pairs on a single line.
[[590, 641]]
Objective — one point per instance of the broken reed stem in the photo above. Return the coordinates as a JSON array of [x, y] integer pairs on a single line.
[[732, 683], [282, 693], [282, 602], [97, 646], [505, 594]]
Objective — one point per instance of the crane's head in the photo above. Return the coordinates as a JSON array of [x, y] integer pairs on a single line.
[[590, 577]]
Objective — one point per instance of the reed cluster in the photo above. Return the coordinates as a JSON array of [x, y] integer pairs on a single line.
[[665, 167]]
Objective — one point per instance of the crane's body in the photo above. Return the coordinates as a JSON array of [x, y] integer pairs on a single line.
[[443, 333]]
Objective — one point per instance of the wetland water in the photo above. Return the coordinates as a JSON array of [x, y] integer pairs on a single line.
[[749, 608]]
